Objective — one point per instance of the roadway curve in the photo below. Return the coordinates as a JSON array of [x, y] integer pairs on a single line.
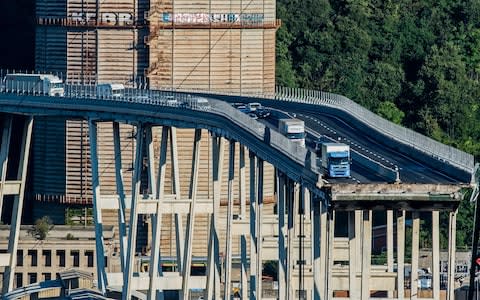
[[335, 126], [334, 123]]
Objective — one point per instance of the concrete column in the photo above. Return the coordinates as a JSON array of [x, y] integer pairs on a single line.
[[9, 274], [254, 277], [97, 209], [213, 274], [359, 233], [241, 186], [243, 238], [179, 233], [187, 258], [132, 233], [258, 226], [152, 182], [324, 231], [282, 255], [122, 228], [228, 242], [415, 255], [243, 271], [331, 240], [154, 269], [390, 246], [436, 254], [401, 254], [292, 221], [452, 245], [4, 150], [366, 254], [318, 282], [353, 254]]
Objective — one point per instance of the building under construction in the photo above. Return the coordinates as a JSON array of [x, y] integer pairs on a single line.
[[218, 45]]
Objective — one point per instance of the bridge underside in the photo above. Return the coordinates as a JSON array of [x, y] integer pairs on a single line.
[[250, 216]]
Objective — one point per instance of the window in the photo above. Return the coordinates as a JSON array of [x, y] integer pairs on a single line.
[[32, 278], [33, 254], [76, 258], [18, 280], [89, 255], [61, 258], [19, 258], [47, 276], [48, 257]]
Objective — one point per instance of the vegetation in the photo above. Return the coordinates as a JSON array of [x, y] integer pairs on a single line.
[[41, 228], [416, 63]]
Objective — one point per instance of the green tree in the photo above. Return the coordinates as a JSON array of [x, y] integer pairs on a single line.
[[41, 228]]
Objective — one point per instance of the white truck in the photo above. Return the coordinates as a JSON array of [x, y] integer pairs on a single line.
[[110, 90], [293, 129], [336, 159], [45, 84]]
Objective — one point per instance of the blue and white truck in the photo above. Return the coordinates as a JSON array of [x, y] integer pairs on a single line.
[[336, 159]]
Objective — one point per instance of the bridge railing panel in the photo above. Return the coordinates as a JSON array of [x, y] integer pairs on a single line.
[[171, 98]]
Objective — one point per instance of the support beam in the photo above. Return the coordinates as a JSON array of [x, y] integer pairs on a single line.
[[475, 240], [390, 246], [97, 209], [330, 243], [179, 233], [324, 271], [241, 186], [292, 221], [18, 206], [243, 271], [4, 150], [122, 228], [213, 273], [258, 226], [282, 254], [415, 255], [366, 254], [132, 233], [254, 276], [353, 290], [154, 268], [401, 254], [318, 257], [452, 229], [228, 237], [436, 254], [187, 258]]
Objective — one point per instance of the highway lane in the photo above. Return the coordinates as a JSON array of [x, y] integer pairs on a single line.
[[411, 170], [359, 174]]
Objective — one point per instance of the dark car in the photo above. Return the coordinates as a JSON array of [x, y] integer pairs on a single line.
[[262, 112]]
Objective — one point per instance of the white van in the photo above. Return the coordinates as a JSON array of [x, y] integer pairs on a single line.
[[110, 90], [202, 103]]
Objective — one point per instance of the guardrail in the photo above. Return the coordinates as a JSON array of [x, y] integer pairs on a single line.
[[176, 100], [437, 150], [404, 135]]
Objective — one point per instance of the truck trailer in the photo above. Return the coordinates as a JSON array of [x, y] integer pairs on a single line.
[[293, 129], [336, 159], [45, 84], [110, 90]]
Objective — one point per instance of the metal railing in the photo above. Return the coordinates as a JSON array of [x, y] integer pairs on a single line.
[[172, 97], [404, 135], [435, 149]]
